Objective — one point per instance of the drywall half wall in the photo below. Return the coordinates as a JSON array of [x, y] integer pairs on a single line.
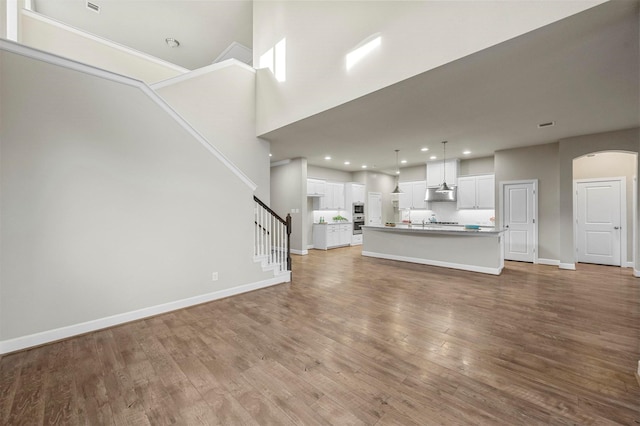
[[535, 162], [110, 206], [575, 147], [607, 165], [219, 101], [49, 35], [415, 36], [289, 196]]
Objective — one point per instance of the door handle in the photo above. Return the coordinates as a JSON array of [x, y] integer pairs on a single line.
[[616, 227], [506, 226]]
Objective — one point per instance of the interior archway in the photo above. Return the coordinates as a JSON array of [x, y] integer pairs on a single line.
[[596, 166]]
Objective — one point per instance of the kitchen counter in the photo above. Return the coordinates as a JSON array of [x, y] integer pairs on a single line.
[[449, 246], [442, 229]]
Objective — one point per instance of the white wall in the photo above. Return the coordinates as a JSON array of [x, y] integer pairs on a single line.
[[51, 36], [623, 140], [417, 36], [289, 196], [219, 101], [535, 162], [108, 205], [612, 164]]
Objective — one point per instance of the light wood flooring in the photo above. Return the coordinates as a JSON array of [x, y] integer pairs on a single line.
[[355, 340]]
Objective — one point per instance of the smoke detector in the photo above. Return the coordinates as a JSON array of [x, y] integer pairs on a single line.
[[172, 42]]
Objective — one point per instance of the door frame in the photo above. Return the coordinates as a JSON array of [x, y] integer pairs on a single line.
[[368, 204], [624, 263], [501, 207]]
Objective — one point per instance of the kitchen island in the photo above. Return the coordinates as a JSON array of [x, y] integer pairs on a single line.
[[479, 250]]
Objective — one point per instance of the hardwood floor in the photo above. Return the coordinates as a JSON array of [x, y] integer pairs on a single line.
[[354, 340]]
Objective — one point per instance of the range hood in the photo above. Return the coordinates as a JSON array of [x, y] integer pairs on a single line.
[[432, 195]]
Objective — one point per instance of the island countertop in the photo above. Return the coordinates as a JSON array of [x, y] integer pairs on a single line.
[[439, 229], [477, 250]]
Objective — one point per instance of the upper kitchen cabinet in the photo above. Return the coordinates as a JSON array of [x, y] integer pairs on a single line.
[[354, 193], [436, 174], [358, 192], [476, 192], [316, 187], [334, 197], [412, 196]]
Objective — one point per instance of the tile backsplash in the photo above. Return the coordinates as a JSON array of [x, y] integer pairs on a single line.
[[448, 212]]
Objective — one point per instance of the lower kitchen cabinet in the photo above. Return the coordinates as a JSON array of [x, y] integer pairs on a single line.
[[332, 235]]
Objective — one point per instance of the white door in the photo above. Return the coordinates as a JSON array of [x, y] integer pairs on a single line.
[[374, 209], [519, 221], [598, 218]]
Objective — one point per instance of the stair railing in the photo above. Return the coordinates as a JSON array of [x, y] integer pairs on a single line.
[[272, 237]]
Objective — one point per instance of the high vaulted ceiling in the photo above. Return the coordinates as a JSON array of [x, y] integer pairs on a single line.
[[581, 73]]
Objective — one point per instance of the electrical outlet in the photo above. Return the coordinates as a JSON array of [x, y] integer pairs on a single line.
[[214, 276]]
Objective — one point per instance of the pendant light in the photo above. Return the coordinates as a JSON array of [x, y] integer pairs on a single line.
[[397, 190], [444, 187]]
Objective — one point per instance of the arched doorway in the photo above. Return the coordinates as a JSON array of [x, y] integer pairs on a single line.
[[605, 207]]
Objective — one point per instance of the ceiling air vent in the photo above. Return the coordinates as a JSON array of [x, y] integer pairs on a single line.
[[547, 124], [93, 6]]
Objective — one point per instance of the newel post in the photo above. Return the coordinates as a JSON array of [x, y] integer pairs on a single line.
[[288, 219]]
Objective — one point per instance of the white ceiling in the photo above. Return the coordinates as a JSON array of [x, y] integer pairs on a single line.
[[581, 72], [203, 28]]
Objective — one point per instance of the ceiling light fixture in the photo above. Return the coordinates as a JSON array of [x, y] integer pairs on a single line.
[[424, 149], [364, 166], [346, 163], [403, 161], [444, 187], [433, 157], [327, 157], [467, 152], [172, 42], [397, 189]]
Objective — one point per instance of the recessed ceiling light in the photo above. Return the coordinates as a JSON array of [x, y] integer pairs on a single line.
[[424, 149], [270, 155], [467, 152], [433, 157], [346, 163], [364, 166], [172, 42], [328, 157], [397, 172], [403, 161]]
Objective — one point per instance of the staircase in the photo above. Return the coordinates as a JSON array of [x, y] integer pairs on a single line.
[[271, 239]]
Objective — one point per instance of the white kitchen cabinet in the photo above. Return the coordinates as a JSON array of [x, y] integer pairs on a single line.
[[412, 196], [357, 193], [476, 192], [332, 235], [435, 174], [316, 187], [334, 197]]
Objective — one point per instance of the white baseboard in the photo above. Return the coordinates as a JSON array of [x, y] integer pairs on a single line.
[[310, 246], [300, 252], [636, 273], [37, 339], [472, 268], [628, 264], [551, 262], [568, 266]]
